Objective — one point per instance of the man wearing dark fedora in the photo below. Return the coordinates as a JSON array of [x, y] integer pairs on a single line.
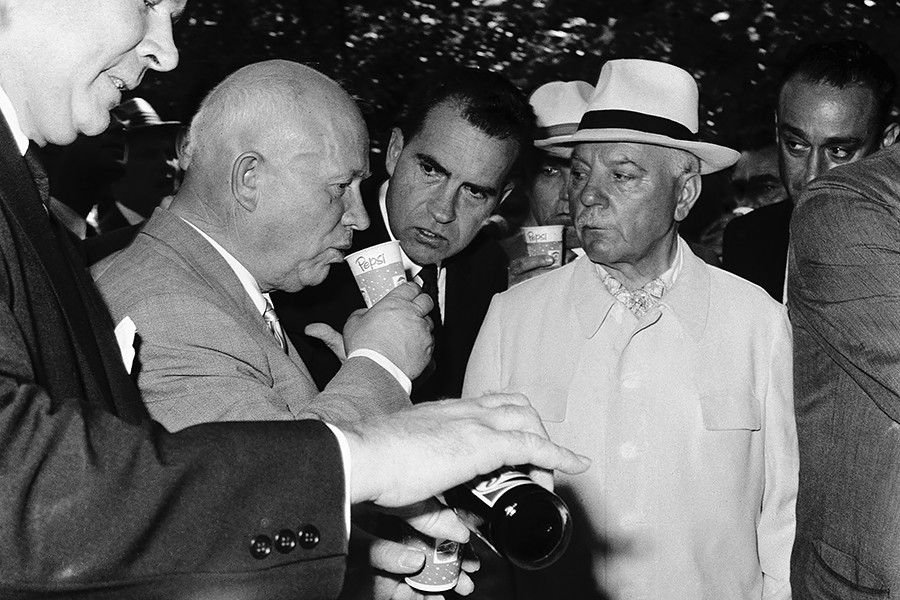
[[673, 376]]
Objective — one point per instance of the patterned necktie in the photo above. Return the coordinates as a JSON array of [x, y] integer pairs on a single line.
[[638, 301], [274, 326]]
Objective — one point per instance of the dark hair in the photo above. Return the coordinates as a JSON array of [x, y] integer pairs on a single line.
[[488, 101], [843, 63]]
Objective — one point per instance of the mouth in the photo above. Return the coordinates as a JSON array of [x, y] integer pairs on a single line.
[[426, 237]]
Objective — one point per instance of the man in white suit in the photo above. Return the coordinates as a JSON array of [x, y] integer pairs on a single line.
[[673, 376]]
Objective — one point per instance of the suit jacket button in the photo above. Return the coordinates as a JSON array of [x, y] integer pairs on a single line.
[[308, 536], [285, 541], [260, 546]]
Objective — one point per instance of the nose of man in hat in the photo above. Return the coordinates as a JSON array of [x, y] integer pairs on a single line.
[[636, 167]]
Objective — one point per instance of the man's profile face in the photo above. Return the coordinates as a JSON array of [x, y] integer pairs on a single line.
[[756, 179], [84, 54], [444, 184], [548, 197], [624, 199], [820, 127], [312, 203]]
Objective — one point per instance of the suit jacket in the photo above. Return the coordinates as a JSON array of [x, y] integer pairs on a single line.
[[755, 246], [473, 277], [96, 500], [687, 416], [205, 353], [844, 301]]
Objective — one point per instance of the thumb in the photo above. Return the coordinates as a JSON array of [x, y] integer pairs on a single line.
[[327, 334]]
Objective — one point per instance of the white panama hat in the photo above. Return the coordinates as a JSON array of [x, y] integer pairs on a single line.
[[558, 107], [649, 102]]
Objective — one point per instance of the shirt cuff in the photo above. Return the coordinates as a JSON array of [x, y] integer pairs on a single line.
[[345, 458], [385, 364]]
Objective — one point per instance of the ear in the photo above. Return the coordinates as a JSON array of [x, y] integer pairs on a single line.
[[245, 180], [395, 147], [504, 194], [889, 136], [688, 194]]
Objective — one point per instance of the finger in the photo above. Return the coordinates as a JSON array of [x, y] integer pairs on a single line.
[[439, 522], [524, 264], [541, 452], [404, 291], [464, 585], [330, 336], [542, 477], [393, 557], [423, 303]]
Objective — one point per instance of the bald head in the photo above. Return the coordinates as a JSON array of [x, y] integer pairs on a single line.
[[273, 104], [274, 159]]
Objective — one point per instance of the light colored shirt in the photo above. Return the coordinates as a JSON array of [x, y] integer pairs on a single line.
[[12, 120], [412, 269]]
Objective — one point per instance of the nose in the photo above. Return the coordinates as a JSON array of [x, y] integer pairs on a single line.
[[442, 206], [158, 46], [355, 215], [590, 195], [815, 166]]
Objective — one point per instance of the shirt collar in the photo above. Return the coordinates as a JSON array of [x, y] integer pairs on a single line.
[[12, 120], [669, 275], [411, 267], [688, 301], [247, 280]]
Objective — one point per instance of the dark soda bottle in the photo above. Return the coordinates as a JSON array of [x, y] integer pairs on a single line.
[[523, 522]]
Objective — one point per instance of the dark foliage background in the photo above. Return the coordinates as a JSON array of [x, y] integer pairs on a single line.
[[377, 48]]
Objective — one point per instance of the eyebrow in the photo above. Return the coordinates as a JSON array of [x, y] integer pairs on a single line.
[[831, 141], [437, 166]]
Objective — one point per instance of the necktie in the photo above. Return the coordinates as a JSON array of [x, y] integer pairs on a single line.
[[429, 277], [274, 326], [38, 173], [638, 301]]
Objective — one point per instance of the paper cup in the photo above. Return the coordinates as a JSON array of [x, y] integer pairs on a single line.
[[543, 240], [442, 564], [378, 270]]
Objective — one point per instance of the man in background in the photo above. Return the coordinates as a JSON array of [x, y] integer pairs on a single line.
[[558, 107], [833, 108]]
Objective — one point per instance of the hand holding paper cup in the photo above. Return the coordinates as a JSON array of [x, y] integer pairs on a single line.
[[442, 563], [377, 269], [545, 240]]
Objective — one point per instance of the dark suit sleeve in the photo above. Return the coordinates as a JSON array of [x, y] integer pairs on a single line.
[[91, 504], [844, 289]]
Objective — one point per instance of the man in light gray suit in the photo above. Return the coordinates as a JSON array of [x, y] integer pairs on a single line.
[[269, 201]]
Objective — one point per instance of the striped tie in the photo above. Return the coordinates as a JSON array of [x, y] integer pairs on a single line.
[[274, 326]]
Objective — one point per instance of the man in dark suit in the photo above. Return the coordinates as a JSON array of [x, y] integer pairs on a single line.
[[98, 501], [833, 108], [449, 164]]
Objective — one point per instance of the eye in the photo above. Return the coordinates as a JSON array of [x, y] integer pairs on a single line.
[[477, 194], [840, 152], [622, 176], [428, 168], [548, 171]]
